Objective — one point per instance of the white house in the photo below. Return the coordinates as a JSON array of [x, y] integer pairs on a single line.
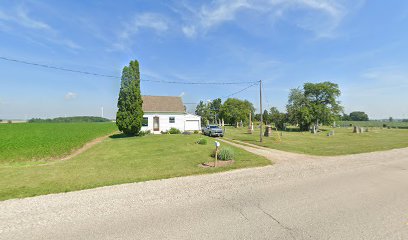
[[164, 112]]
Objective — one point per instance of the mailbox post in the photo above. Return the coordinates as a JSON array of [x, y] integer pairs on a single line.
[[217, 145]]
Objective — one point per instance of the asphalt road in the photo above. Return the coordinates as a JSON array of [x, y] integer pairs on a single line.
[[353, 197]]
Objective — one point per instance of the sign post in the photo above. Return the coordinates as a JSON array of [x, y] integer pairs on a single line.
[[217, 145]]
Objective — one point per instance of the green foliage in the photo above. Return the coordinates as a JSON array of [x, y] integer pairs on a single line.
[[32, 141], [144, 133], [174, 131], [358, 116], [278, 118], [315, 103], [209, 112], [265, 117], [235, 110], [69, 119], [196, 132], [299, 110], [202, 141], [215, 106], [203, 110], [225, 153], [130, 114]]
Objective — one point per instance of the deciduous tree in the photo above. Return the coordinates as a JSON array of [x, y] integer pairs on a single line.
[[314, 104], [235, 110]]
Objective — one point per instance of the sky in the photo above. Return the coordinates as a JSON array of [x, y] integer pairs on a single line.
[[360, 45]]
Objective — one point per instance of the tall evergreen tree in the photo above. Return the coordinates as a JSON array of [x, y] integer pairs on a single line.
[[130, 113]]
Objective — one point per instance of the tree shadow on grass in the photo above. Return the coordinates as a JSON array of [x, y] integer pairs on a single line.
[[120, 135]]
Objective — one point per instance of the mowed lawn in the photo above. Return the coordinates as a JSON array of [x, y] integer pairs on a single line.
[[115, 161], [34, 141], [343, 142]]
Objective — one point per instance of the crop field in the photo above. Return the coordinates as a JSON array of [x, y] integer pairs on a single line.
[[40, 141], [116, 161], [343, 142]]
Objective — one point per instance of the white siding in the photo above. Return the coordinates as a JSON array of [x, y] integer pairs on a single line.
[[165, 125]]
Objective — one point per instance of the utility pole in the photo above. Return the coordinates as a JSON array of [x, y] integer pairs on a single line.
[[260, 107]]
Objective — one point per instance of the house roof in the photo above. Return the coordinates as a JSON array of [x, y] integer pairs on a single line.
[[162, 104]]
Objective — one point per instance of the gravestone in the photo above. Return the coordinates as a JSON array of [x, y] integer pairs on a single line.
[[357, 129], [331, 133], [268, 131]]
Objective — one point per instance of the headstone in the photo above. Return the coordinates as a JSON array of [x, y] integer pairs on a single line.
[[357, 129], [331, 133], [268, 131]]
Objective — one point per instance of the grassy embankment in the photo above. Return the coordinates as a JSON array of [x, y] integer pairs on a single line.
[[343, 142], [113, 161]]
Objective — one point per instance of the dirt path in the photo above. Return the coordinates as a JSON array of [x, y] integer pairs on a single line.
[[87, 146]]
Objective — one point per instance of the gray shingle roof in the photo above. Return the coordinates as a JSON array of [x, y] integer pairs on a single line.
[[162, 104]]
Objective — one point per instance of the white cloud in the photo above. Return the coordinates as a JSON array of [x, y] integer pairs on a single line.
[[29, 22], [70, 96], [319, 16], [150, 21], [11, 20], [189, 31], [182, 94]]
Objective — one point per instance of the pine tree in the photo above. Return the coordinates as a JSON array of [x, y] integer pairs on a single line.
[[130, 113]]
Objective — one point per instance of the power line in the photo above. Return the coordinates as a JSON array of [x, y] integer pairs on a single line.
[[256, 83], [111, 76], [57, 68]]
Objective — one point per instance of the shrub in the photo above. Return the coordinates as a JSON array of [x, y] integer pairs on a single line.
[[174, 131], [224, 154], [186, 133], [9, 121], [384, 125], [143, 133], [202, 141], [196, 132]]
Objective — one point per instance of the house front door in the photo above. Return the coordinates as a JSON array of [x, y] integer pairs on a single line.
[[156, 125]]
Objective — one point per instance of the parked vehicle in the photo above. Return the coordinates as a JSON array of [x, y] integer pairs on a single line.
[[213, 131]]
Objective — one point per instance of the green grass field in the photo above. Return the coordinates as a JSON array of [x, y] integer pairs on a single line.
[[343, 142], [115, 161], [374, 123], [34, 141]]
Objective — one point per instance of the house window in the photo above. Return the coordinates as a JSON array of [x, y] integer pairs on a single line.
[[172, 119], [145, 122]]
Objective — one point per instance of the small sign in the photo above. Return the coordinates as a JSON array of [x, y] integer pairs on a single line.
[[217, 144]]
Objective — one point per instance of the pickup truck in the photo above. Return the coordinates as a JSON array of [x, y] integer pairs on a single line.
[[213, 131]]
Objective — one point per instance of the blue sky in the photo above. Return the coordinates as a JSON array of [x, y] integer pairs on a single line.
[[361, 45]]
